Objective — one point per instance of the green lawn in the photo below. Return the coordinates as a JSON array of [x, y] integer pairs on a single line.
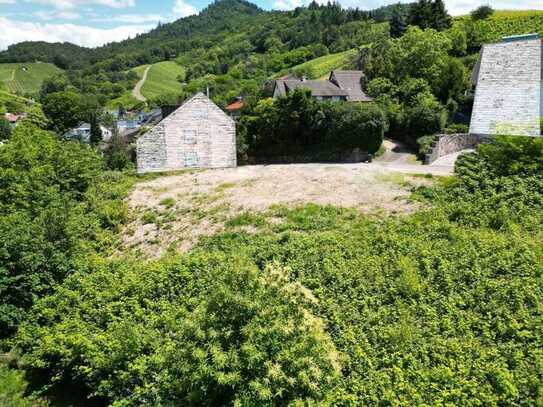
[[162, 78], [25, 78], [321, 66]]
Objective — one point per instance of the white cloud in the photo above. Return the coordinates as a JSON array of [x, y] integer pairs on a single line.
[[183, 9], [57, 15], [71, 4], [288, 4], [12, 32], [132, 18]]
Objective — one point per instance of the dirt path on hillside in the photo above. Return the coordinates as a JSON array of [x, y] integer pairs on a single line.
[[136, 92], [177, 210]]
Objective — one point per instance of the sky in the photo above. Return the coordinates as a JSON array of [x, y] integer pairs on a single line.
[[95, 22]]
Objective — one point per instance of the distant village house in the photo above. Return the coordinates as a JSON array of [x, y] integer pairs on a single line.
[[340, 86], [198, 134], [83, 130]]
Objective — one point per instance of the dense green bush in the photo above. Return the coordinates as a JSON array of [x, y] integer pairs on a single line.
[[514, 155], [203, 330], [50, 215], [300, 125], [320, 304]]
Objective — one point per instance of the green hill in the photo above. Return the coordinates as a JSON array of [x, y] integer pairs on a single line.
[[162, 78], [25, 78], [321, 66]]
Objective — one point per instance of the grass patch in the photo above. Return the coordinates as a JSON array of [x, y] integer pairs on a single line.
[[247, 219], [168, 202], [318, 67], [149, 217], [224, 186]]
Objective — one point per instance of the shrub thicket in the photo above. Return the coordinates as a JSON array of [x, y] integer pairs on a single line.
[[320, 305], [300, 125], [51, 211]]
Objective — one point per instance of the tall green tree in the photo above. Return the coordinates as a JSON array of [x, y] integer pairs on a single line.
[[5, 129], [429, 14], [398, 23], [63, 110], [95, 131], [441, 20]]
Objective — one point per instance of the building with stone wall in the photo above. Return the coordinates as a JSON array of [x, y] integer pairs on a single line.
[[196, 135], [508, 88]]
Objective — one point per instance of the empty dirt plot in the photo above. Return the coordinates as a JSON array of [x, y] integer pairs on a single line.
[[174, 211]]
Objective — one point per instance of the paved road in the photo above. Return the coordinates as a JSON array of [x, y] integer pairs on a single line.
[[136, 92], [449, 159]]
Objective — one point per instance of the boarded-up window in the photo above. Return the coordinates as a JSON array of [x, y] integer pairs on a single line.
[[189, 136], [191, 159]]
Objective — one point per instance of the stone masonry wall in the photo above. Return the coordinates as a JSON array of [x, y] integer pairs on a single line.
[[508, 92], [452, 143], [198, 134]]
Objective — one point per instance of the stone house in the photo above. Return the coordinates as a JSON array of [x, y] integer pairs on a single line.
[[507, 80], [340, 86], [198, 134]]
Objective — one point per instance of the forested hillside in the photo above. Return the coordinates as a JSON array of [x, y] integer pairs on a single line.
[[232, 47]]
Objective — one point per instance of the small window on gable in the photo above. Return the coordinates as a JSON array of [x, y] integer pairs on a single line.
[[191, 159], [200, 113], [189, 136]]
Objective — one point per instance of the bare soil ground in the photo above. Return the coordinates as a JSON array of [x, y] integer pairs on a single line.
[[173, 211]]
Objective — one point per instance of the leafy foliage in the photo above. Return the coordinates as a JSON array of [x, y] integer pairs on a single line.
[[300, 125], [201, 330], [50, 216], [481, 12], [440, 307]]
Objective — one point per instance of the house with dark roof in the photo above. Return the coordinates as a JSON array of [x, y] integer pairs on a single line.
[[340, 86], [508, 87]]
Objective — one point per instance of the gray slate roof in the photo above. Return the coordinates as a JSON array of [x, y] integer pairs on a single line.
[[345, 84], [475, 72], [317, 88], [350, 81]]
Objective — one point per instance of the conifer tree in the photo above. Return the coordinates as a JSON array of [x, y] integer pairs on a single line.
[[398, 24], [95, 131], [440, 18]]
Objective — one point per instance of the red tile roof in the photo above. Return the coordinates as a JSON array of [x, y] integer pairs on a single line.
[[236, 105], [12, 117]]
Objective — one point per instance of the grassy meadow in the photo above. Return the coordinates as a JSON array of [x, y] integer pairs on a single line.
[[321, 66], [25, 78], [162, 78]]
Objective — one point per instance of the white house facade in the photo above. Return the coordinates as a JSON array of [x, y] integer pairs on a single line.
[[196, 135]]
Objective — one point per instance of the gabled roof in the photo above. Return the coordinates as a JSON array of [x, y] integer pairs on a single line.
[[474, 78], [317, 88], [350, 81]]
